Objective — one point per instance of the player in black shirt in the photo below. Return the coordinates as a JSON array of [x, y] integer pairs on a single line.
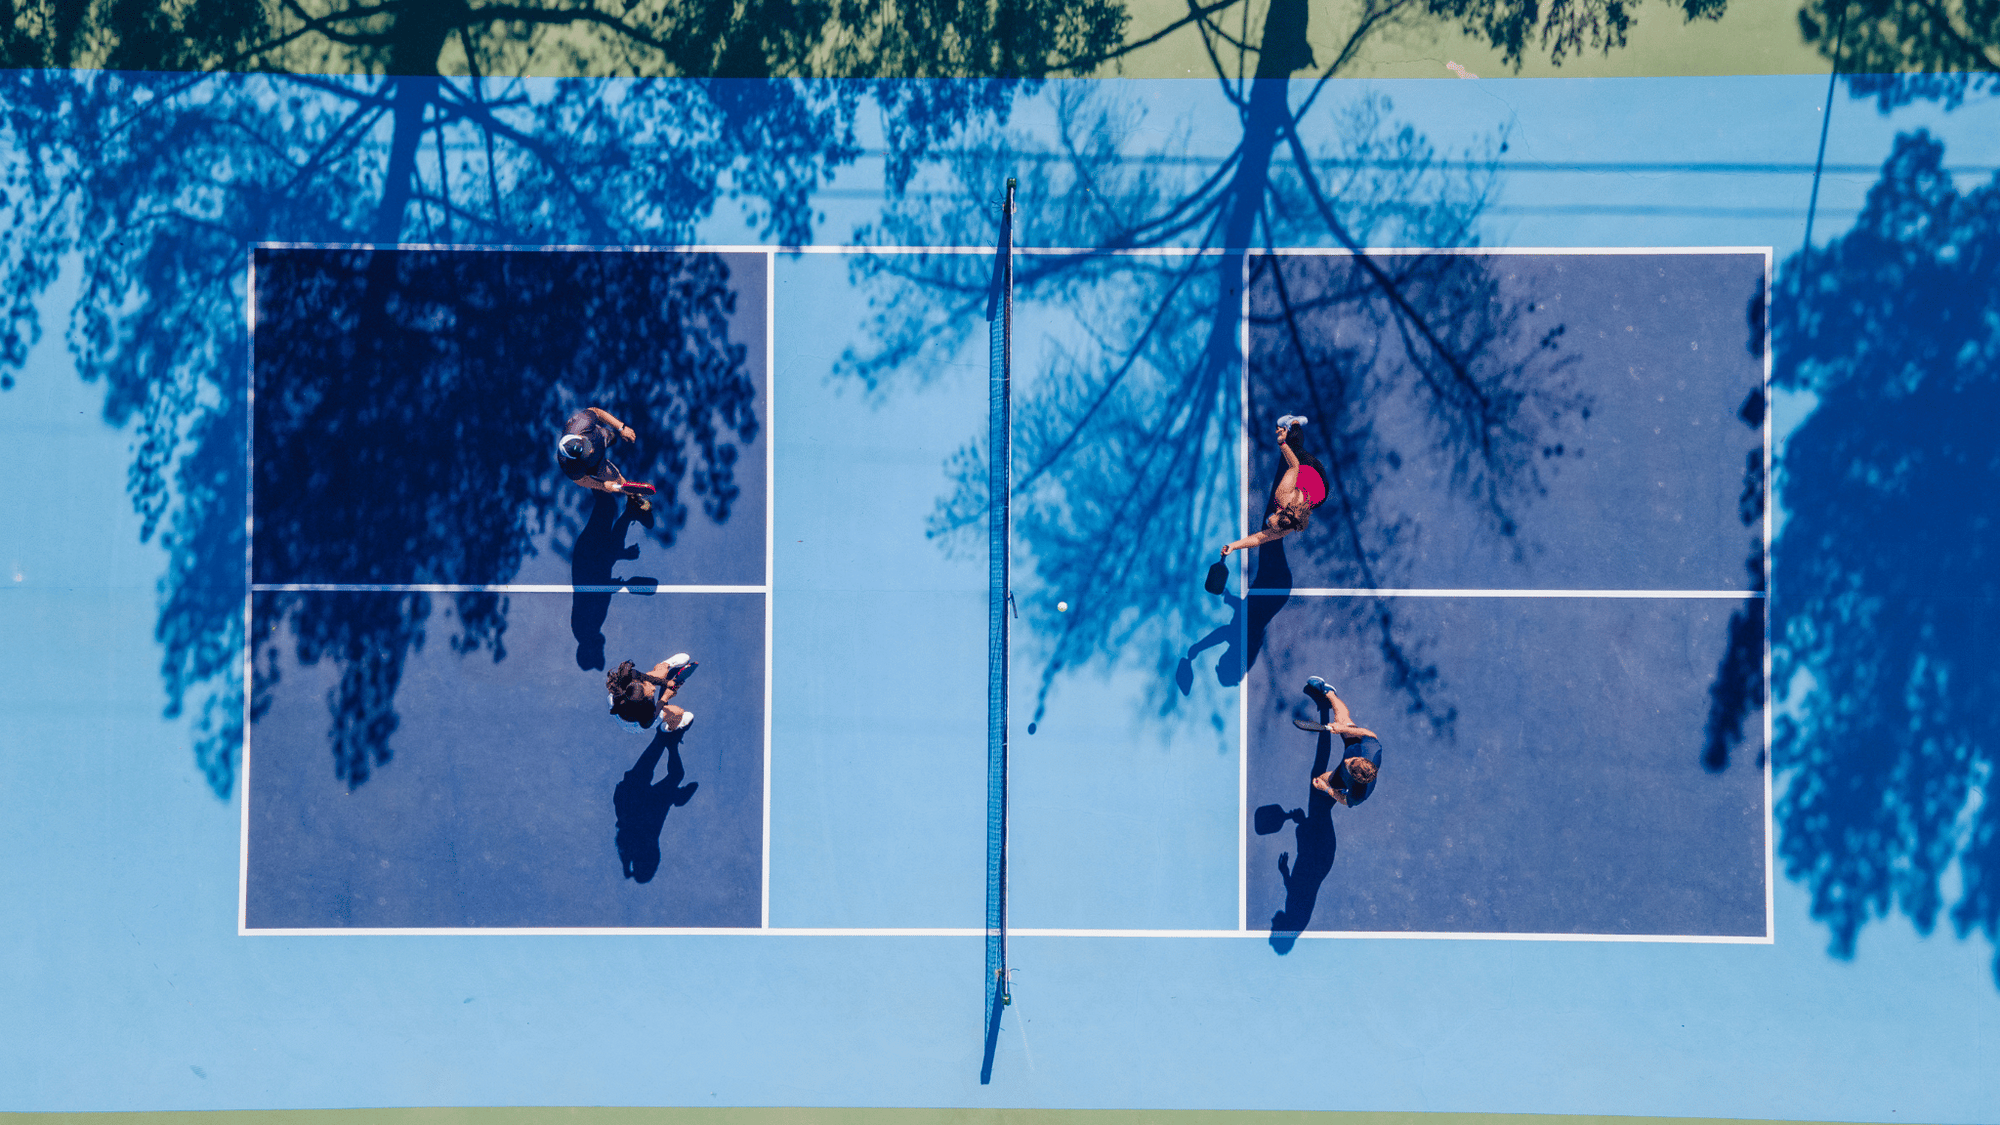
[[583, 455]]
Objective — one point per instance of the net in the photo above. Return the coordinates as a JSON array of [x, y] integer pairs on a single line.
[[1000, 317]]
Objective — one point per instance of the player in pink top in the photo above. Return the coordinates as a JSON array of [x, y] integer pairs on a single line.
[[1300, 489]]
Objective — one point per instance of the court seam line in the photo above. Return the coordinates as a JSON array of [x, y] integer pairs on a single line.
[[980, 933], [1387, 592]]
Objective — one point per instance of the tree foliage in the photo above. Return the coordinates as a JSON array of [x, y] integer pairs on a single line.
[[1898, 51]]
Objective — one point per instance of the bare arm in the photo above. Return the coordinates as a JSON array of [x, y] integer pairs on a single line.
[[624, 430], [1348, 730], [1291, 455], [1342, 717], [596, 485], [1257, 539]]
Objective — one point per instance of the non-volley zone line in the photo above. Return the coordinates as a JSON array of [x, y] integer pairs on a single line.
[[1362, 592], [634, 586]]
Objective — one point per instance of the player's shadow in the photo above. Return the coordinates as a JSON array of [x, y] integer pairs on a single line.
[[599, 546], [1249, 621], [1316, 842], [642, 805]]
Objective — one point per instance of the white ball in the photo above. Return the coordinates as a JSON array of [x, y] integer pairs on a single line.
[[1062, 607]]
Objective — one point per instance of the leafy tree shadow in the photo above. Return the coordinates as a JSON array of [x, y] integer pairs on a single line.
[[405, 402], [1119, 443], [190, 133], [1885, 566]]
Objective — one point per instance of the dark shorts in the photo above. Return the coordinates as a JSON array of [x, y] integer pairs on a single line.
[[597, 468]]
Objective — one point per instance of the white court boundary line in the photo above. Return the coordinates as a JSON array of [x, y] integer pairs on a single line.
[[1364, 592], [770, 312], [770, 558], [1249, 507], [1039, 251], [768, 257], [980, 933], [454, 588], [1242, 569], [1770, 719], [250, 588]]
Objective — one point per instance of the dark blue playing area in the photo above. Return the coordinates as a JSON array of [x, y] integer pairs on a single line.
[[1606, 435], [1540, 755], [408, 402], [513, 799], [430, 745], [1562, 796]]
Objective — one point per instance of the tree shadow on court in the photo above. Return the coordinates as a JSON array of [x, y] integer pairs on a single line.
[[1886, 569], [406, 403], [642, 805], [1736, 696], [1126, 437], [189, 133]]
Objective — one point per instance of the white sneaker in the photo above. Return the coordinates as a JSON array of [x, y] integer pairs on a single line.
[[687, 720]]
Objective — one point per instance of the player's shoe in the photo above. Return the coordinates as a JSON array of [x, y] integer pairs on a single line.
[[687, 720], [680, 668], [1321, 690]]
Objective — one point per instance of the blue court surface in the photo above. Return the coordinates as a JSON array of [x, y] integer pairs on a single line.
[[512, 799], [426, 868]]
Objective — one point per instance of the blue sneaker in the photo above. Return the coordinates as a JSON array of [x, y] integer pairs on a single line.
[[1319, 689]]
